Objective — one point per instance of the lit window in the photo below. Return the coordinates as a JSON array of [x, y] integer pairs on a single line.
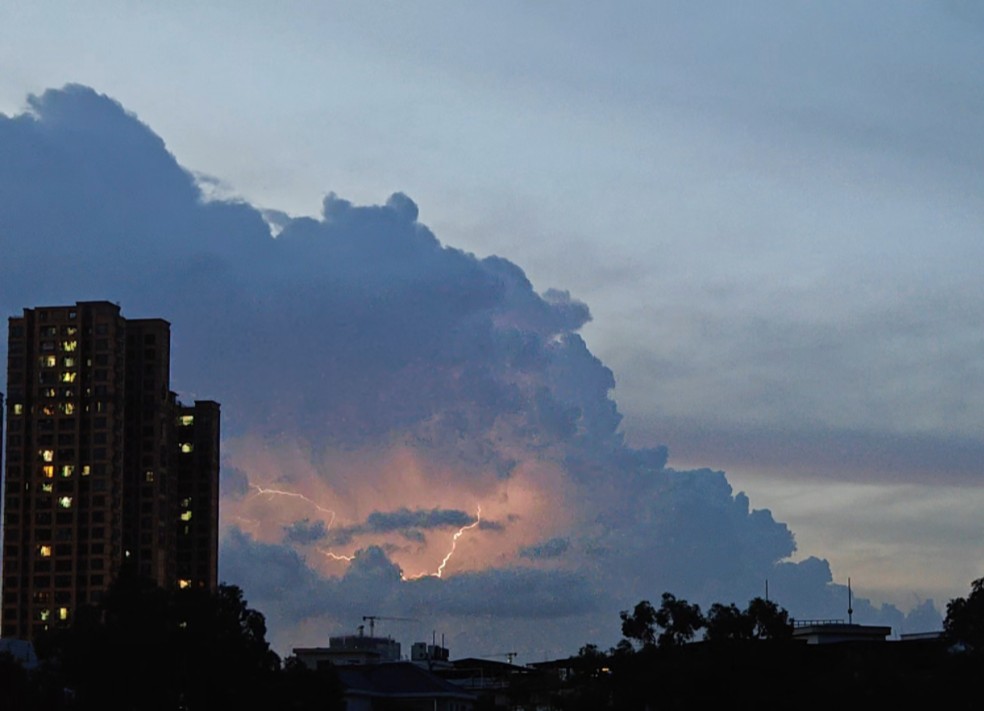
[[67, 408], [86, 470], [149, 477], [187, 448], [47, 455], [49, 392], [68, 376], [43, 615], [47, 410], [49, 361], [69, 346], [18, 408], [67, 470], [62, 613], [65, 502], [186, 503], [48, 470], [47, 487], [44, 551], [186, 420], [186, 515], [68, 362], [184, 584]]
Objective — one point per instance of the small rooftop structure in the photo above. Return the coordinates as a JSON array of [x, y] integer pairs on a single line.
[[477, 674], [350, 650], [837, 631], [429, 656]]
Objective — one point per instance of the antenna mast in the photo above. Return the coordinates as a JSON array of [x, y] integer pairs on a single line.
[[850, 604]]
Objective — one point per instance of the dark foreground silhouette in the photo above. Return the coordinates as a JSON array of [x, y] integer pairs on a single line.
[[147, 648]]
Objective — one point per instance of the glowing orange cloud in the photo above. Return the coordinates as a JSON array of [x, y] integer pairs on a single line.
[[290, 482]]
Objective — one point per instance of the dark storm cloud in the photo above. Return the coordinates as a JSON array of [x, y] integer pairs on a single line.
[[305, 532], [404, 521], [552, 548], [359, 328], [487, 525], [373, 579], [383, 521], [233, 483]]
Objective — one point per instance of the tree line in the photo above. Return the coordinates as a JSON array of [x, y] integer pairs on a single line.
[[676, 622], [747, 656]]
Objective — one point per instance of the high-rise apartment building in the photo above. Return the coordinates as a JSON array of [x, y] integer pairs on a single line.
[[107, 474]]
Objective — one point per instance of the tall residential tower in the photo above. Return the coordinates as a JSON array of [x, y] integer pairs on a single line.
[[106, 472]]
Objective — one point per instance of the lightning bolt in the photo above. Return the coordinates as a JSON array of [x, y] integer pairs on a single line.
[[260, 491], [336, 556], [454, 544]]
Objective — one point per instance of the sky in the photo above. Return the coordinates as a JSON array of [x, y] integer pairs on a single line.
[[520, 249]]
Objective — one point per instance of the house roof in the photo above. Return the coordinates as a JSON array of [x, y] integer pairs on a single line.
[[400, 679]]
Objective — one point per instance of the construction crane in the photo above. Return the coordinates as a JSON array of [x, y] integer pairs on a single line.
[[372, 621]]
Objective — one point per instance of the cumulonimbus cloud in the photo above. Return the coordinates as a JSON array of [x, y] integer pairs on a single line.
[[375, 385]]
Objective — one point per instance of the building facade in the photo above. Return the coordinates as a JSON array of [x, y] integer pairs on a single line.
[[107, 474]]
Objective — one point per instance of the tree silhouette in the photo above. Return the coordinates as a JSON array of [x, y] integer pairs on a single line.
[[148, 648], [679, 620], [640, 625], [964, 623], [728, 622], [769, 621], [762, 619]]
